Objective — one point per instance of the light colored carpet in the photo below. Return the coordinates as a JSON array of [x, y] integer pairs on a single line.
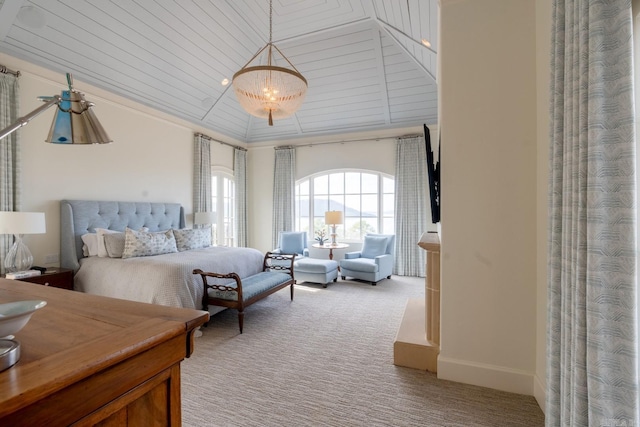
[[326, 359]]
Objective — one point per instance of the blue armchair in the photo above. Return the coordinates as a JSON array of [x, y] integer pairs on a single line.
[[374, 262], [292, 242]]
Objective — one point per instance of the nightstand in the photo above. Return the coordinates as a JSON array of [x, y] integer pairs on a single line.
[[61, 278]]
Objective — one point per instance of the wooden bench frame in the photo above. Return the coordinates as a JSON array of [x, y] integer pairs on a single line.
[[240, 304]]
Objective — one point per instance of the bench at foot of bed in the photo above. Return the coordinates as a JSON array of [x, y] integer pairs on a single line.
[[276, 274]]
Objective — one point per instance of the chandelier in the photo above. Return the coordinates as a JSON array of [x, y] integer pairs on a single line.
[[269, 91]]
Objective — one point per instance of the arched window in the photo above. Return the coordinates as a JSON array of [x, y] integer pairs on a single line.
[[366, 198], [223, 192]]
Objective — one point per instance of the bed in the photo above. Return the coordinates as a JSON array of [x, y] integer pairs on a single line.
[[164, 279]]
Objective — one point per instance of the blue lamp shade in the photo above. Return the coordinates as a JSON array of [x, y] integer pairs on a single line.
[[19, 257]]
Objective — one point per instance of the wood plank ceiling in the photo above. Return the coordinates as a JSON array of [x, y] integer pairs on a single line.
[[366, 66]]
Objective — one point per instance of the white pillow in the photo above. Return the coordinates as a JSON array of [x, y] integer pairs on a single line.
[[90, 247], [102, 249], [139, 243]]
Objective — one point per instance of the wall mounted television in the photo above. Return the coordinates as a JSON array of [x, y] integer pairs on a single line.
[[433, 173]]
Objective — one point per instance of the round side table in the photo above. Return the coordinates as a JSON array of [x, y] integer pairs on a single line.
[[331, 247]]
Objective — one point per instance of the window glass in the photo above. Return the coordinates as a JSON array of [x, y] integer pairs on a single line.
[[321, 185], [336, 183], [388, 185], [352, 181], [365, 198], [369, 183], [223, 202], [303, 188], [336, 202]]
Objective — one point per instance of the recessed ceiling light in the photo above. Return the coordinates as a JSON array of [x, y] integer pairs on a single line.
[[426, 42], [207, 102], [225, 82], [32, 17]]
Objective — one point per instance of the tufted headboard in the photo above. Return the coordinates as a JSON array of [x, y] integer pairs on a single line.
[[78, 217]]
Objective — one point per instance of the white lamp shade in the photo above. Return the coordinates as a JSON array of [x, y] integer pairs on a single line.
[[200, 218], [333, 217], [22, 222]]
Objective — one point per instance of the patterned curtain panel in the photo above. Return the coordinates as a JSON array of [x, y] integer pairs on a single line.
[[411, 206], [10, 184], [201, 174], [592, 348], [240, 177], [284, 178]]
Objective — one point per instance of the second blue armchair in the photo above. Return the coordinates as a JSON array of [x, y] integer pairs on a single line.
[[374, 262]]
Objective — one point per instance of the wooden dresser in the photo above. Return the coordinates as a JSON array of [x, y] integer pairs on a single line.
[[88, 360]]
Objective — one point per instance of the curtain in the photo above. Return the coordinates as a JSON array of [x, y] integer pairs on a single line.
[[240, 177], [592, 347], [201, 174], [10, 183], [410, 206], [283, 192]]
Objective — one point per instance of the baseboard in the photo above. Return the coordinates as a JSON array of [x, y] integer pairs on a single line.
[[485, 375], [540, 393]]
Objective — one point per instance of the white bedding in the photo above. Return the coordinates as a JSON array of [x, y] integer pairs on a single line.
[[164, 279]]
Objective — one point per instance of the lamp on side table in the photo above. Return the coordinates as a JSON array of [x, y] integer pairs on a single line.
[[333, 218], [204, 219], [19, 257]]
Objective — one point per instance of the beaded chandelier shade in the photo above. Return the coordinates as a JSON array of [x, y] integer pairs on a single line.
[[269, 91]]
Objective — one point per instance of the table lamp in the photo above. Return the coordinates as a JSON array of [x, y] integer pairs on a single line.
[[19, 257], [333, 218], [204, 218]]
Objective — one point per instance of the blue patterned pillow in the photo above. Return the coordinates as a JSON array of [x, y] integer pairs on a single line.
[[139, 243], [192, 238], [374, 246]]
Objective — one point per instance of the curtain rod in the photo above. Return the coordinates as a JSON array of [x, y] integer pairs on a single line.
[[5, 70], [346, 140], [220, 142]]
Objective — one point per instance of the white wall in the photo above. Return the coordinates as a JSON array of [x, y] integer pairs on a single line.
[[543, 47], [488, 265]]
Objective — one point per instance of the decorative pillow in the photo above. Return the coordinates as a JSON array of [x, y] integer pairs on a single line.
[[90, 247], [114, 243], [100, 232], [374, 246], [192, 238], [140, 243], [291, 242]]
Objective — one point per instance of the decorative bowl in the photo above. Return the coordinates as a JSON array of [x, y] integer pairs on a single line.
[[14, 315]]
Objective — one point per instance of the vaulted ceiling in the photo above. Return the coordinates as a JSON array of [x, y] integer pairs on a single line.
[[364, 60]]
